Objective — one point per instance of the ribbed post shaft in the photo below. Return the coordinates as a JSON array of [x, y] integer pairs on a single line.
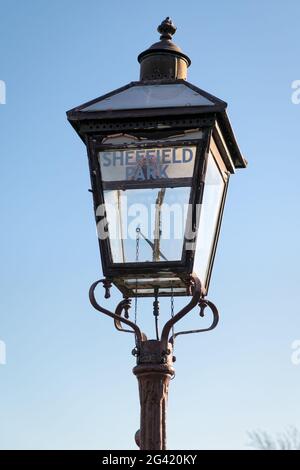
[[154, 371]]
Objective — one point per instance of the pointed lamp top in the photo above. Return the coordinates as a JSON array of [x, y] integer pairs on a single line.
[[164, 60], [167, 28]]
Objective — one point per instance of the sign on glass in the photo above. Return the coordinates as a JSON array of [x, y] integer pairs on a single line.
[[145, 164]]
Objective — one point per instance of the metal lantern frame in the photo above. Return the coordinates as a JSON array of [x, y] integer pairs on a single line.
[[155, 124]]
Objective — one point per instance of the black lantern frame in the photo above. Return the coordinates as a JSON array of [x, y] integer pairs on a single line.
[[154, 125]]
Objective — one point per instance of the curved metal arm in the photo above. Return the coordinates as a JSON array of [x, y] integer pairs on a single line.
[[123, 305], [196, 292], [203, 304], [116, 316]]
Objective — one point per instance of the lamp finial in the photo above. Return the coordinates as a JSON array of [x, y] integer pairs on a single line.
[[167, 28]]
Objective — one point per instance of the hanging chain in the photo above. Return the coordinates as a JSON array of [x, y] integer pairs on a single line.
[[172, 315], [156, 311]]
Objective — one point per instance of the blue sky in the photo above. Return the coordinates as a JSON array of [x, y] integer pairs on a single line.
[[67, 383]]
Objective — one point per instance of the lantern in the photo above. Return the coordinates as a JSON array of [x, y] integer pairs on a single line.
[[161, 152]]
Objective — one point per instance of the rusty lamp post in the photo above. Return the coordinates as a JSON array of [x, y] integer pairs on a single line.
[[157, 142]]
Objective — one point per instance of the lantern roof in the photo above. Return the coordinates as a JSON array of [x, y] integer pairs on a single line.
[[151, 95], [168, 98]]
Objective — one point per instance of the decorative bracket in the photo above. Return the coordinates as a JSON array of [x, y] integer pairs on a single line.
[[118, 319], [125, 304], [202, 304], [196, 299]]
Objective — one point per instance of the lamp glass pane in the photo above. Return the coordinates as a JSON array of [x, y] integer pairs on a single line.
[[156, 217], [209, 217], [151, 96]]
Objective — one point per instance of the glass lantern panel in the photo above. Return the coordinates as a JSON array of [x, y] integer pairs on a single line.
[[209, 217], [148, 285], [147, 164], [151, 96], [163, 291], [146, 225]]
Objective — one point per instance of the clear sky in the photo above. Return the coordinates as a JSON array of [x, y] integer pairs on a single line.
[[67, 382]]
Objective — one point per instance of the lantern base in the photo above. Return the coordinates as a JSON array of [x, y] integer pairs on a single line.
[[167, 284]]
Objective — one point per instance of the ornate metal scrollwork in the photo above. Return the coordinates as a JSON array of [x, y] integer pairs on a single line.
[[118, 319], [196, 299], [202, 304], [125, 304]]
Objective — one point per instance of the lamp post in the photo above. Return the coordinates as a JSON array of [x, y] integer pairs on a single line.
[[154, 145]]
